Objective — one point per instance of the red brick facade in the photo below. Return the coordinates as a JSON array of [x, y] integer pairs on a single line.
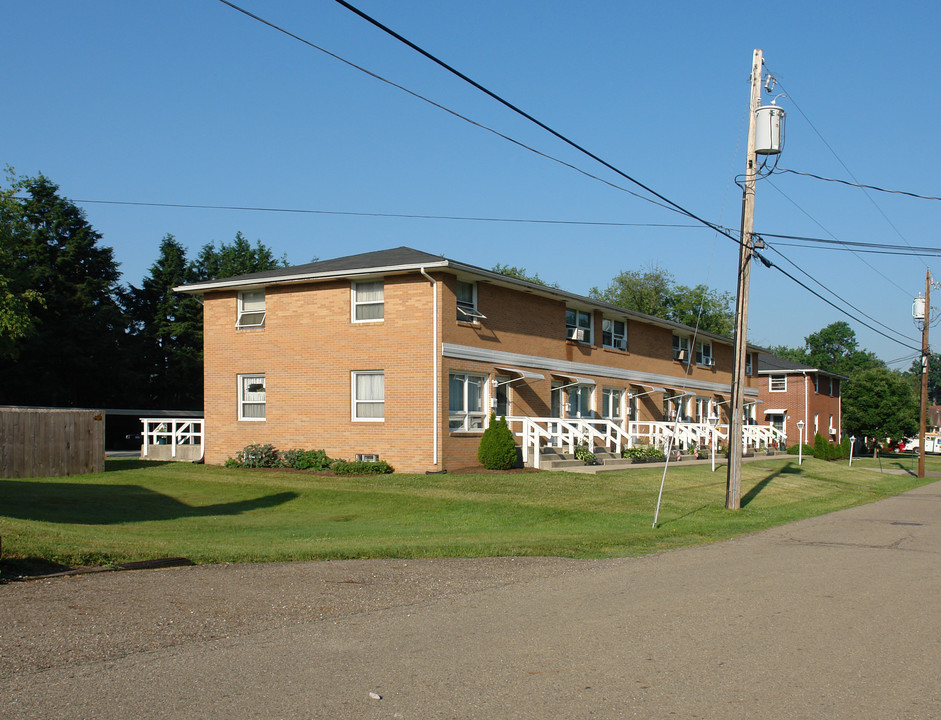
[[809, 395], [310, 346]]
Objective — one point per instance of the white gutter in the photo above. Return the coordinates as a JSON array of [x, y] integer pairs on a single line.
[[434, 362], [805, 400]]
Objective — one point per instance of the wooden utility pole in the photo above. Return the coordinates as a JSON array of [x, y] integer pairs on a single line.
[[733, 490], [925, 352]]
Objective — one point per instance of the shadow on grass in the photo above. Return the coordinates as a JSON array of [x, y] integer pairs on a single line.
[[119, 464], [96, 504], [791, 468]]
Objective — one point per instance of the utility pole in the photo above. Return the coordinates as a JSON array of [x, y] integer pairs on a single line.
[[733, 489], [925, 351]]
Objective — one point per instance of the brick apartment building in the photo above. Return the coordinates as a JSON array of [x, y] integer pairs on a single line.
[[791, 391], [401, 355]]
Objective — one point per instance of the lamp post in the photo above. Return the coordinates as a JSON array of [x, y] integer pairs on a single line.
[[713, 420], [852, 447], [800, 442]]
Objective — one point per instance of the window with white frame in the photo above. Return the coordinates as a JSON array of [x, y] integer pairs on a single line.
[[702, 409], [632, 414], [704, 354], [467, 302], [369, 395], [251, 309], [748, 364], [578, 325], [816, 423], [368, 301], [614, 334], [777, 383], [611, 403], [252, 397], [466, 402], [680, 347], [676, 408], [571, 400]]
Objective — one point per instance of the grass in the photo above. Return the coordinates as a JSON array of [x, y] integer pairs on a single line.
[[146, 510]]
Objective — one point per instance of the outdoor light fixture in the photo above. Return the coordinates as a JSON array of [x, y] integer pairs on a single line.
[[800, 442]]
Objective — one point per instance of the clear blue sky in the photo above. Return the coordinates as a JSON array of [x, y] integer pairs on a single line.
[[192, 102]]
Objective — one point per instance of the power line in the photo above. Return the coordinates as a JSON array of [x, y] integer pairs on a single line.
[[859, 185], [446, 109], [386, 215], [551, 131]]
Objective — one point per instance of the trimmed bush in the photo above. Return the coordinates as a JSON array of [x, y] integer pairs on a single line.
[[306, 459], [821, 447], [497, 450], [347, 467], [808, 450]]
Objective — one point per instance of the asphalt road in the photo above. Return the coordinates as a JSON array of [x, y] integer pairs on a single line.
[[834, 617]]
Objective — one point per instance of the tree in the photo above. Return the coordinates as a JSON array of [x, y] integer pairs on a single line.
[[239, 258], [654, 292], [879, 403], [168, 330], [833, 349], [934, 377], [72, 343], [521, 274], [17, 321]]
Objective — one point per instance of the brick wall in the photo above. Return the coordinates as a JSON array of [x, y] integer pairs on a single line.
[[801, 402], [309, 346]]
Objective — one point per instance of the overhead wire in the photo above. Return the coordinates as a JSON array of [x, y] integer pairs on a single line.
[[669, 204], [858, 185], [845, 167]]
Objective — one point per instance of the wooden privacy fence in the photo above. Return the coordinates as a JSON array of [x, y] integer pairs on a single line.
[[47, 442]]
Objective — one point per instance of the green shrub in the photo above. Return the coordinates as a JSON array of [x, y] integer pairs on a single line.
[[347, 467], [821, 449], [497, 449], [305, 459], [845, 446], [259, 456], [808, 450], [584, 453], [644, 451]]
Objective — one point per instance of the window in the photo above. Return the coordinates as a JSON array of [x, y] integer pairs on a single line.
[[251, 397], [680, 347], [611, 403], [748, 364], [835, 387], [632, 408], [368, 301], [569, 400], [502, 392], [467, 302], [675, 408], [816, 423], [777, 383], [369, 395], [466, 402], [702, 410], [704, 354], [251, 309], [614, 334], [577, 325]]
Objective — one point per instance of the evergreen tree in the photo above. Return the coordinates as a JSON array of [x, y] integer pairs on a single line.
[[239, 258], [168, 330], [76, 353]]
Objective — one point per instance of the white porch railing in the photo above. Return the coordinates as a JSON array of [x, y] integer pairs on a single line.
[[175, 433], [538, 432]]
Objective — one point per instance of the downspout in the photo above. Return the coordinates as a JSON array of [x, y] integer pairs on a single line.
[[434, 362]]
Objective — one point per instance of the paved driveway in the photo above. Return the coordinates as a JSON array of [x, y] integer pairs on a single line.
[[834, 617]]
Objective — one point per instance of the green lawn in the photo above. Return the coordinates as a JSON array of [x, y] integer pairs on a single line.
[[139, 510]]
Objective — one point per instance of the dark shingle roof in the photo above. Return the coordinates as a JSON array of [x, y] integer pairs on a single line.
[[768, 363]]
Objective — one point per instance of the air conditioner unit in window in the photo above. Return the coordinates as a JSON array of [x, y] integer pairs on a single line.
[[679, 355], [577, 334]]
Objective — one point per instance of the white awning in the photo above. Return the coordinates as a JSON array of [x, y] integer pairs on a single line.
[[651, 388], [522, 373], [573, 379], [776, 411]]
